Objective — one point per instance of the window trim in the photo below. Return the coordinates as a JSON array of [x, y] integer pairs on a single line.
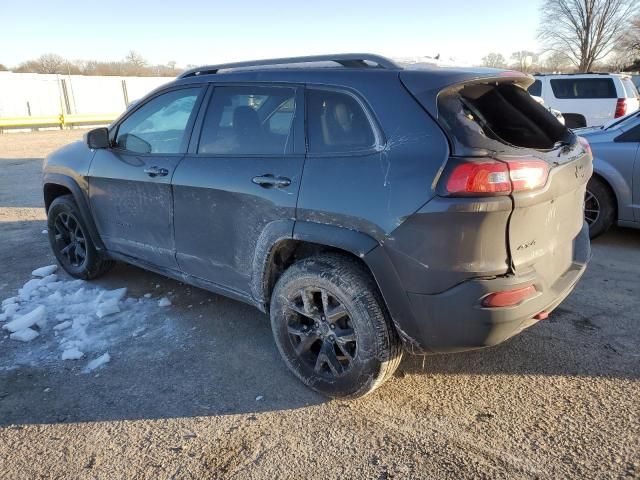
[[186, 140], [295, 150], [380, 140]]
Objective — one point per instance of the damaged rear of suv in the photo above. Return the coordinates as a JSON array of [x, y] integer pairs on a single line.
[[508, 206], [367, 208]]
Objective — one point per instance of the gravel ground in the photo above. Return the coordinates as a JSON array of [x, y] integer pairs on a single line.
[[213, 400]]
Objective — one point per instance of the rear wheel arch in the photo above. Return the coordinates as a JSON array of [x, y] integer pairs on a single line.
[[308, 240], [574, 120]]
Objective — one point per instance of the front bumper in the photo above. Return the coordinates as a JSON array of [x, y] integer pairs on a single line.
[[455, 320]]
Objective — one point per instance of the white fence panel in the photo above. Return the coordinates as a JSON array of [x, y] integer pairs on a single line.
[[33, 95]]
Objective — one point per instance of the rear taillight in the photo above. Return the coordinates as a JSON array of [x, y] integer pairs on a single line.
[[479, 177], [496, 177], [621, 108]]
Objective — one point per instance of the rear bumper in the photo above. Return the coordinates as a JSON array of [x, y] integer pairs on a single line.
[[455, 320]]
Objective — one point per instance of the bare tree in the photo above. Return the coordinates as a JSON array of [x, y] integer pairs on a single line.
[[524, 60], [135, 59], [586, 30], [47, 63], [3, 68], [557, 62], [494, 60], [630, 42]]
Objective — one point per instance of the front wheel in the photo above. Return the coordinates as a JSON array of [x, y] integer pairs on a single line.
[[71, 243], [332, 328]]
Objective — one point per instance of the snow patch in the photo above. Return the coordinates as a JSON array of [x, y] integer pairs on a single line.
[[97, 362], [74, 319], [72, 354], [63, 325], [164, 302], [37, 315], [24, 335], [44, 271]]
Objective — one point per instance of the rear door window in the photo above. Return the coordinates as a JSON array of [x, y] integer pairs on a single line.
[[535, 88], [337, 123], [574, 88], [248, 120]]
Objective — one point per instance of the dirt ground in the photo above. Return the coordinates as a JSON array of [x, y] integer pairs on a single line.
[[214, 400]]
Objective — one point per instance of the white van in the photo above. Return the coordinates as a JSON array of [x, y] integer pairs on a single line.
[[587, 99]]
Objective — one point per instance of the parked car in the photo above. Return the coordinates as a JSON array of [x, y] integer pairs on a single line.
[[613, 193], [364, 207], [589, 99]]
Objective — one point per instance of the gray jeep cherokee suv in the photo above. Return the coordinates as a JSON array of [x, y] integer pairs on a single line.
[[366, 207]]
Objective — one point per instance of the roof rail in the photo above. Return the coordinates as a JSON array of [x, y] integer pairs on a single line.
[[351, 60]]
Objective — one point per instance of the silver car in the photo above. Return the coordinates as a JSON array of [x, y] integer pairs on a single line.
[[613, 193]]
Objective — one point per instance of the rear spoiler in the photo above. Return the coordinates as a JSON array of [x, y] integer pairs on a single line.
[[426, 85]]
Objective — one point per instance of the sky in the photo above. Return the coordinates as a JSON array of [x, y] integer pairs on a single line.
[[208, 31]]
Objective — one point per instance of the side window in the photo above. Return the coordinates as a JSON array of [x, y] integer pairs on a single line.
[[583, 88], [159, 125], [535, 88], [336, 123], [248, 121]]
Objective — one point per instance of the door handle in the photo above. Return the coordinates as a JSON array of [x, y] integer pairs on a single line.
[[156, 171], [269, 181]]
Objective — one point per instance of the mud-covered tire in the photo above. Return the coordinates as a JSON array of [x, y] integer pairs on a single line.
[[599, 196], [64, 216], [347, 286]]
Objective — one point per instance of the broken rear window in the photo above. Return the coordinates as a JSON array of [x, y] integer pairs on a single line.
[[482, 118]]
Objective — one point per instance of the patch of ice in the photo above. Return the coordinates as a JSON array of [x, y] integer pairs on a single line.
[[44, 271], [81, 316], [24, 335], [259, 397], [108, 307], [63, 325], [37, 315], [164, 302], [117, 294], [72, 354], [45, 231], [97, 362]]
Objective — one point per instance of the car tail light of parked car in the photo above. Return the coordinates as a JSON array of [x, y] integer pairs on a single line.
[[497, 176], [621, 108]]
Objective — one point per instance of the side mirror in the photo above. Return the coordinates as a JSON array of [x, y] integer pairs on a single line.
[[97, 138]]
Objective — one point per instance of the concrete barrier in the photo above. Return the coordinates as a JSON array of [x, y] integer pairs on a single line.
[[31, 100]]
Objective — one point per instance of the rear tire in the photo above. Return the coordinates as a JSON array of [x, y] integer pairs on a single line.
[[599, 207], [332, 328], [71, 243]]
